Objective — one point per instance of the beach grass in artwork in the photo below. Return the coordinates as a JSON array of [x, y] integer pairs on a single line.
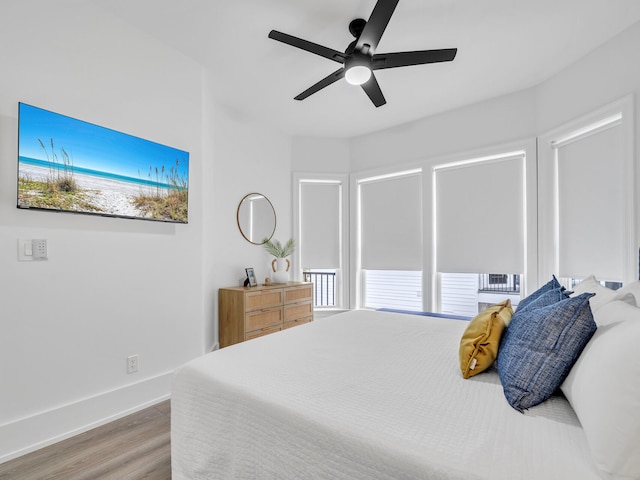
[[69, 165], [171, 203]]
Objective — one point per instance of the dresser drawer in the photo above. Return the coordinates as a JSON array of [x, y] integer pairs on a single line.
[[262, 332], [297, 310], [266, 317], [298, 321], [298, 294], [263, 299]]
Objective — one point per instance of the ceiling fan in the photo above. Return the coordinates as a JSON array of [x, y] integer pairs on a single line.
[[359, 59]]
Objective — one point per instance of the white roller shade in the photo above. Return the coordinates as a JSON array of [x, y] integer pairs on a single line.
[[391, 223], [320, 214], [591, 208], [479, 216]]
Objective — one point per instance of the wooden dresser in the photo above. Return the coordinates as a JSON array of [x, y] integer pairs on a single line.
[[246, 313]]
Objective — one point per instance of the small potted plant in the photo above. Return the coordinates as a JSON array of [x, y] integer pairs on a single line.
[[280, 265]]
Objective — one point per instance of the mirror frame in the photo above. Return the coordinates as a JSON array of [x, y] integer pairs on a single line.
[[275, 218]]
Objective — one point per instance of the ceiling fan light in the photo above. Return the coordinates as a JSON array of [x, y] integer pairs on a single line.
[[358, 74]]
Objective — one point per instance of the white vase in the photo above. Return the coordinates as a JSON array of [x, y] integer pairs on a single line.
[[280, 267]]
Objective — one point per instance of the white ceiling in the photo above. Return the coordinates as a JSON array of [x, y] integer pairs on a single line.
[[503, 46]]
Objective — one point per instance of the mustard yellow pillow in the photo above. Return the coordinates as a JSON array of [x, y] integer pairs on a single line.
[[480, 341]]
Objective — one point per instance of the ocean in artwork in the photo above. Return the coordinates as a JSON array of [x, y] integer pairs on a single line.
[[25, 162]]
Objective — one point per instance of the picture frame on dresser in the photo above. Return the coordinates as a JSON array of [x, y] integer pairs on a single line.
[[251, 278]]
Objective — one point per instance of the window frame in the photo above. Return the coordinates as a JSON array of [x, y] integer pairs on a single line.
[[548, 185], [526, 147], [343, 272], [357, 283]]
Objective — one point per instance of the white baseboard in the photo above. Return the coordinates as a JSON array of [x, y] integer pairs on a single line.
[[46, 428]]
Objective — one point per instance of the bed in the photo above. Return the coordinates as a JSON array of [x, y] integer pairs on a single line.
[[365, 395]]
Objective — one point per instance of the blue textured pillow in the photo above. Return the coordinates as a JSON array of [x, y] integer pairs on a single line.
[[547, 298], [550, 285], [539, 347]]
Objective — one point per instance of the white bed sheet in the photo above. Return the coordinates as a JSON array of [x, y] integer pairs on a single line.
[[363, 396]]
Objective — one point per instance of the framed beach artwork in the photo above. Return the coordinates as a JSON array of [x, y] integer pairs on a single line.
[[68, 165]]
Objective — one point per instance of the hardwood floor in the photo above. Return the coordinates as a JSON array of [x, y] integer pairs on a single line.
[[135, 447]]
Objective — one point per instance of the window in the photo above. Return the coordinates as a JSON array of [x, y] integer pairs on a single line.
[[320, 222], [587, 197], [389, 245], [483, 222]]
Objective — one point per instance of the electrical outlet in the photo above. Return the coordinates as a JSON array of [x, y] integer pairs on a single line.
[[132, 364]]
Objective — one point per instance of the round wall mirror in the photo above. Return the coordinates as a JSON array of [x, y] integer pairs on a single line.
[[256, 218]]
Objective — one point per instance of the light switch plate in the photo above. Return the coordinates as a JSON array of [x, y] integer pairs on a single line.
[[30, 250]]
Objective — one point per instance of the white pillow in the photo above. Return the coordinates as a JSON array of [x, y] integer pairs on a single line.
[[603, 388], [619, 309], [592, 285], [632, 288]]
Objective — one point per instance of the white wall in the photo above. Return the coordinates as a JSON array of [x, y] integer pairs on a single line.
[[321, 155], [111, 287], [500, 120], [248, 157], [605, 75], [116, 287]]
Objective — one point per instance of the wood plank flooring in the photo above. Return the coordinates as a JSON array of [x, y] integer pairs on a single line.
[[135, 447]]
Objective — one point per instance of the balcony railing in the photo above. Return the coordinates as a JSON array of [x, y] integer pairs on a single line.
[[499, 282], [324, 287]]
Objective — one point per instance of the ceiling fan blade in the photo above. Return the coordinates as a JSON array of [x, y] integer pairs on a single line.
[[308, 46], [325, 82], [376, 25], [373, 91], [419, 57]]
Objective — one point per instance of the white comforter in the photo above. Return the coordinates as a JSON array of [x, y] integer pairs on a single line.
[[362, 396]]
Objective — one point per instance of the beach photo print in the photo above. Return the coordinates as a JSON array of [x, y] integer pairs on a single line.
[[69, 165]]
